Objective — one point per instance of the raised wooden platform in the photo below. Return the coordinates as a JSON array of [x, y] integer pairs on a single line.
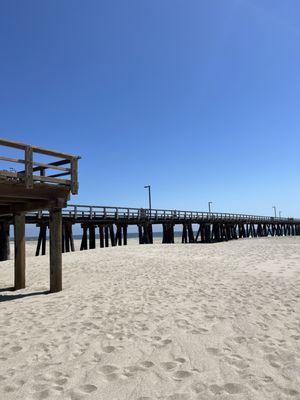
[[30, 188]]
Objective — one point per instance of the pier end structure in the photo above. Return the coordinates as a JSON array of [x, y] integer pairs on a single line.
[[30, 186]]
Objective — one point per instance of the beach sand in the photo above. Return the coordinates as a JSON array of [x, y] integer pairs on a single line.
[[169, 322]]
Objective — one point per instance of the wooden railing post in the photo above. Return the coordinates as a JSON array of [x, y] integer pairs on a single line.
[[74, 176], [28, 167]]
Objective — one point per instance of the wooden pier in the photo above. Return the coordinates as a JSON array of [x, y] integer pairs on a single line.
[[30, 189], [110, 225]]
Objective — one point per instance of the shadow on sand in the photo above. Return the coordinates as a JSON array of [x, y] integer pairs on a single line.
[[17, 296]]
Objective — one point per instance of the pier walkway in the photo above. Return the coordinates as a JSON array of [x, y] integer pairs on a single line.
[[111, 224]]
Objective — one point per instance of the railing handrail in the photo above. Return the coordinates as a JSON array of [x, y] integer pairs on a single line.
[[28, 177], [156, 213], [35, 149]]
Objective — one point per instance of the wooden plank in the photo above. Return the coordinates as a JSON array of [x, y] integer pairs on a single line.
[[43, 165], [66, 182], [20, 263], [12, 160], [55, 225], [40, 150], [11, 190]]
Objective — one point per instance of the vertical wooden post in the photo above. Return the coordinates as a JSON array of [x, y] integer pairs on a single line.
[[55, 225], [140, 234], [106, 236], [125, 235], [67, 237], [4, 241], [83, 245], [71, 236], [190, 233], [101, 235], [19, 229], [63, 238], [112, 235], [150, 233], [184, 234], [44, 239], [92, 237], [198, 233]]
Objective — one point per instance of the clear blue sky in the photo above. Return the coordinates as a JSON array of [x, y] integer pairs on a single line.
[[201, 99]]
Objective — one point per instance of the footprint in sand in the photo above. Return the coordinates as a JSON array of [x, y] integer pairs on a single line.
[[88, 388], [108, 349], [233, 388], [147, 364], [181, 360], [216, 389], [169, 365], [16, 349], [180, 375], [290, 392], [213, 351], [144, 398], [179, 396]]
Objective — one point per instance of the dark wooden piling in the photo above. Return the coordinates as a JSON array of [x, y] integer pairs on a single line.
[[168, 233], [119, 235], [101, 235], [42, 238], [84, 242], [55, 225], [112, 235], [106, 236], [125, 228], [190, 233], [184, 234], [4, 241], [19, 233], [92, 236], [150, 233]]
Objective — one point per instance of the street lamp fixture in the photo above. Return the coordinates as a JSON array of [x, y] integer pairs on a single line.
[[149, 196]]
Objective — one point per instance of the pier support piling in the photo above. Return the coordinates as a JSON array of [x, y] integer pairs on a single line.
[[19, 232], [4, 241], [55, 225]]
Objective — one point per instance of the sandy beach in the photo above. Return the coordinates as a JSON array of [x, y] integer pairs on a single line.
[[167, 322]]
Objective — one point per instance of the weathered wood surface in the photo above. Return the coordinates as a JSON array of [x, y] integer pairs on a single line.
[[55, 225], [19, 232]]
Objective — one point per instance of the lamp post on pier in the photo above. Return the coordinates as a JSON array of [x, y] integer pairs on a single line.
[[149, 195], [274, 207], [209, 206]]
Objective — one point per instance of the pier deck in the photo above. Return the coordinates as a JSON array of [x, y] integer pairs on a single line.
[[32, 185], [112, 224]]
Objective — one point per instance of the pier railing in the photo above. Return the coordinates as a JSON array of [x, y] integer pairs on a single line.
[[88, 212], [35, 171]]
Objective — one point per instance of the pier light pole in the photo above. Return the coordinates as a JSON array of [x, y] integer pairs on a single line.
[[149, 194], [274, 207], [209, 206]]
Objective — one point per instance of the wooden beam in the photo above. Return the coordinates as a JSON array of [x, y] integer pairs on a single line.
[[55, 225], [19, 230], [40, 150]]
